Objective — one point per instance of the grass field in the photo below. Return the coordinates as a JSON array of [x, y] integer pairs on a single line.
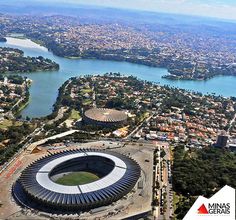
[[86, 90], [77, 178], [176, 199], [87, 102], [75, 115], [8, 123]]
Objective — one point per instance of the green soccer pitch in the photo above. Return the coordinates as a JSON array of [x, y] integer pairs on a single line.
[[77, 178]]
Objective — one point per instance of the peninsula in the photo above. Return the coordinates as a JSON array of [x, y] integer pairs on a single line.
[[13, 61]]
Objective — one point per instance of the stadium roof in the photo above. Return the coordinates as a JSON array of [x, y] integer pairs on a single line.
[[35, 187], [44, 180]]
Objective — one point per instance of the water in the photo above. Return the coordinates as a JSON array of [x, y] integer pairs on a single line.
[[44, 89]]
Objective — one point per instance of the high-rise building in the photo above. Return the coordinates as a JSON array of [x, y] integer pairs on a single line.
[[222, 140]]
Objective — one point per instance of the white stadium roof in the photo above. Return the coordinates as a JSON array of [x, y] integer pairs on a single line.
[[44, 180]]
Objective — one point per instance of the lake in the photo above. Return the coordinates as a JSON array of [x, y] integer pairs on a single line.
[[44, 89]]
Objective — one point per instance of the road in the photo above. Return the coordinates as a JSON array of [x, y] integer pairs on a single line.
[[94, 98], [10, 113], [17, 103], [231, 123], [30, 146], [138, 127], [158, 179], [27, 144], [167, 183], [164, 169]]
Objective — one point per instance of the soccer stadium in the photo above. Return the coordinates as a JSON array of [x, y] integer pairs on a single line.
[[76, 180], [105, 117]]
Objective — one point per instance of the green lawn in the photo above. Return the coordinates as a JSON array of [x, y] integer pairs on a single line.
[[86, 90], [176, 199], [87, 102], [8, 123], [75, 115], [77, 178]]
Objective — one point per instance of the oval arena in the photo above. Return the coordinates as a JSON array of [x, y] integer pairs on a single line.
[[76, 180], [105, 117]]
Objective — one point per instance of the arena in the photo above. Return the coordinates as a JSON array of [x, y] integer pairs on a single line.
[[76, 180], [105, 117]]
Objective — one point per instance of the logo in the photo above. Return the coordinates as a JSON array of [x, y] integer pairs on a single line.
[[215, 208], [202, 209], [220, 206]]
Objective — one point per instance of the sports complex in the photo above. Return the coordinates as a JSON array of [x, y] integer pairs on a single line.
[[105, 117], [76, 180]]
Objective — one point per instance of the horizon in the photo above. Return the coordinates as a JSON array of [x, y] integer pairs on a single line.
[[219, 10]]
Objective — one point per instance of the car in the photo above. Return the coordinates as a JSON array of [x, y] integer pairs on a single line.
[[161, 211]]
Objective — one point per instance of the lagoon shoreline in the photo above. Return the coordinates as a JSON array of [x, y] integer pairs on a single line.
[[44, 89]]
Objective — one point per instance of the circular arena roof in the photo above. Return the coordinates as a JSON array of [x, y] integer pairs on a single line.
[[105, 115], [118, 174]]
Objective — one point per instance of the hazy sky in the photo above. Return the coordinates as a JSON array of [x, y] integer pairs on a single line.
[[213, 8]]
